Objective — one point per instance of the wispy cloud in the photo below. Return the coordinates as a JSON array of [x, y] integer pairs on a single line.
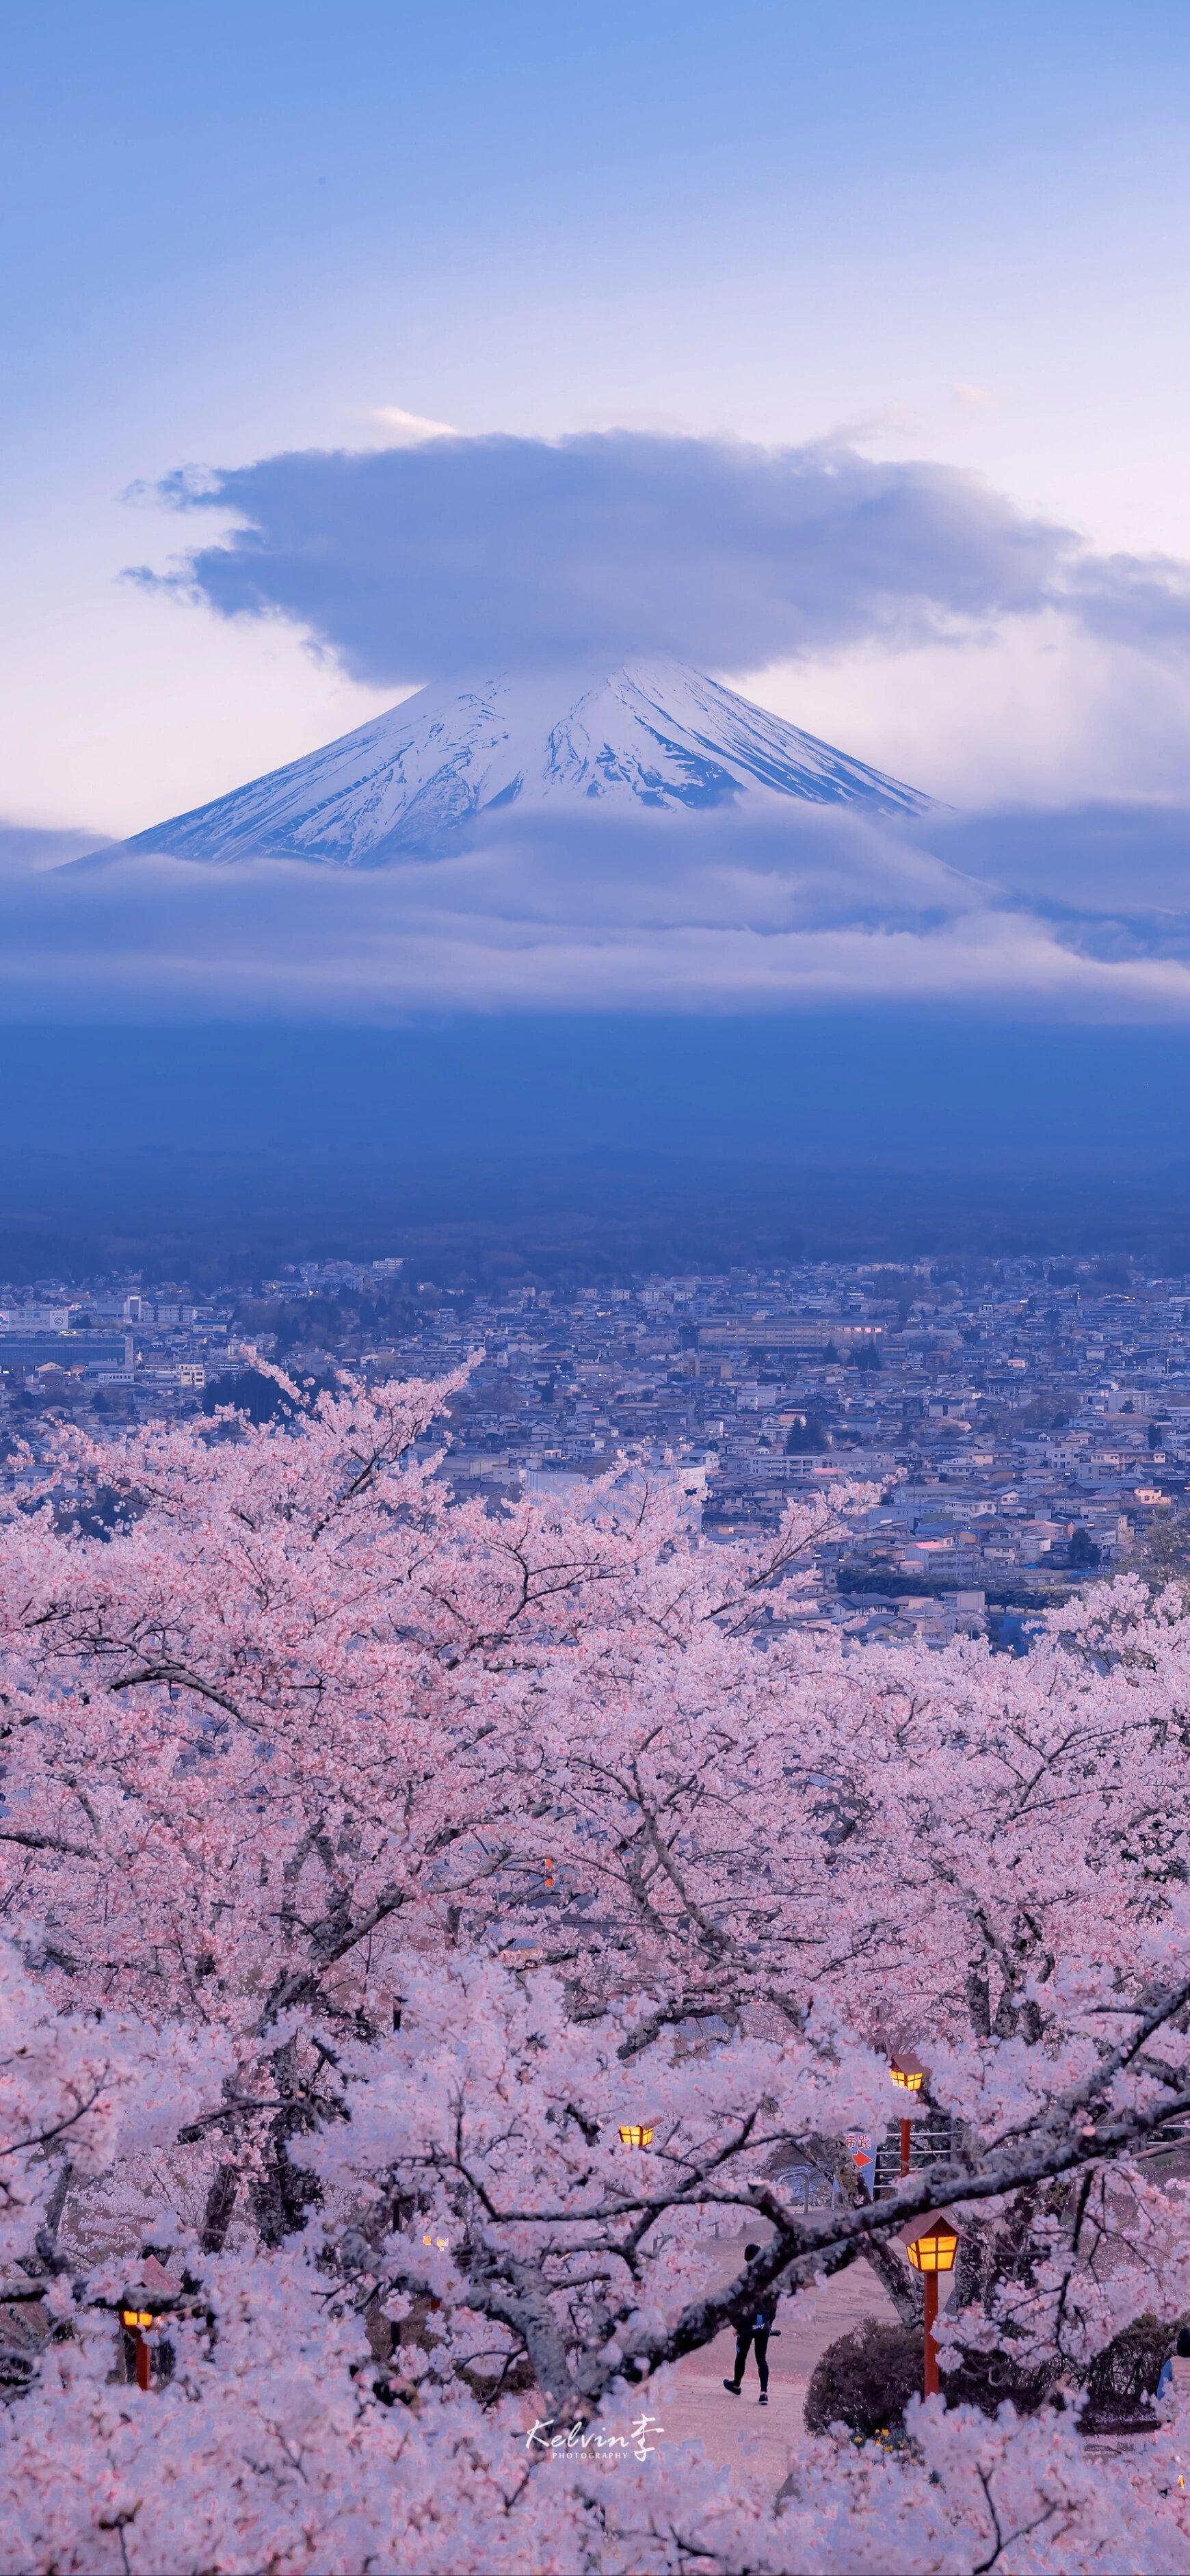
[[406, 428], [443, 555], [27, 849], [699, 913], [452, 555]]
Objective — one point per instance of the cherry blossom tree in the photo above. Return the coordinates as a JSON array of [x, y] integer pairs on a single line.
[[370, 1859]]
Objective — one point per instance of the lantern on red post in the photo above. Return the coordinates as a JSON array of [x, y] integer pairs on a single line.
[[134, 2320], [636, 2133], [908, 2071], [931, 2245], [135, 2314]]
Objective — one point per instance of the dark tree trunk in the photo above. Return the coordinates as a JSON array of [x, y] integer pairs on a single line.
[[221, 2201]]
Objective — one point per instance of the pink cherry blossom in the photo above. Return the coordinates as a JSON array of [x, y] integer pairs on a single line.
[[370, 1858]]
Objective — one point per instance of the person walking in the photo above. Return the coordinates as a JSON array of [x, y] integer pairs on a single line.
[[754, 2329]]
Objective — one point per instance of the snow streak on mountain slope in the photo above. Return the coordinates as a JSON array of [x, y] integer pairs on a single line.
[[651, 736]]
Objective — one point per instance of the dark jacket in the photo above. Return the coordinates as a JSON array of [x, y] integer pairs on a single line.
[[755, 2315]]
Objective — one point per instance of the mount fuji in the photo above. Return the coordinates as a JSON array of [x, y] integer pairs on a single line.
[[648, 738]]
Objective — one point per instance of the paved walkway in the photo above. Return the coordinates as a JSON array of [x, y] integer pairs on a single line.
[[755, 2442], [735, 2431]]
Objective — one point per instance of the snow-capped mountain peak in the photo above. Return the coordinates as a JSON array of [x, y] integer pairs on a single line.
[[650, 737]]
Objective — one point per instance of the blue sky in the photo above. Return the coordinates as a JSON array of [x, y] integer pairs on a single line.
[[958, 236]]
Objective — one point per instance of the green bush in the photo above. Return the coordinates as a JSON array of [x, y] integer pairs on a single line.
[[866, 2379]]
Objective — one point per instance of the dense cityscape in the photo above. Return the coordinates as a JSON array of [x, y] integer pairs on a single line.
[[1024, 1425]]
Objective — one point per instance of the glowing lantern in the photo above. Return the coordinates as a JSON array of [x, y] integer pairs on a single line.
[[934, 2250], [133, 2319], [931, 2245], [635, 2134], [908, 2071]]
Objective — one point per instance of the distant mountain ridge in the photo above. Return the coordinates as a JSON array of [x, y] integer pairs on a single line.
[[647, 738]]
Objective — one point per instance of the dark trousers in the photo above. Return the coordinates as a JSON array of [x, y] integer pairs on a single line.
[[745, 2337]]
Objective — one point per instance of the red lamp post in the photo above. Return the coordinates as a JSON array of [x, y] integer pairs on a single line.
[[931, 2245], [154, 2282], [133, 2321], [908, 2071]]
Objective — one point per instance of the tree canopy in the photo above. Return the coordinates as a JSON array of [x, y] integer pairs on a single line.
[[371, 1860]]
